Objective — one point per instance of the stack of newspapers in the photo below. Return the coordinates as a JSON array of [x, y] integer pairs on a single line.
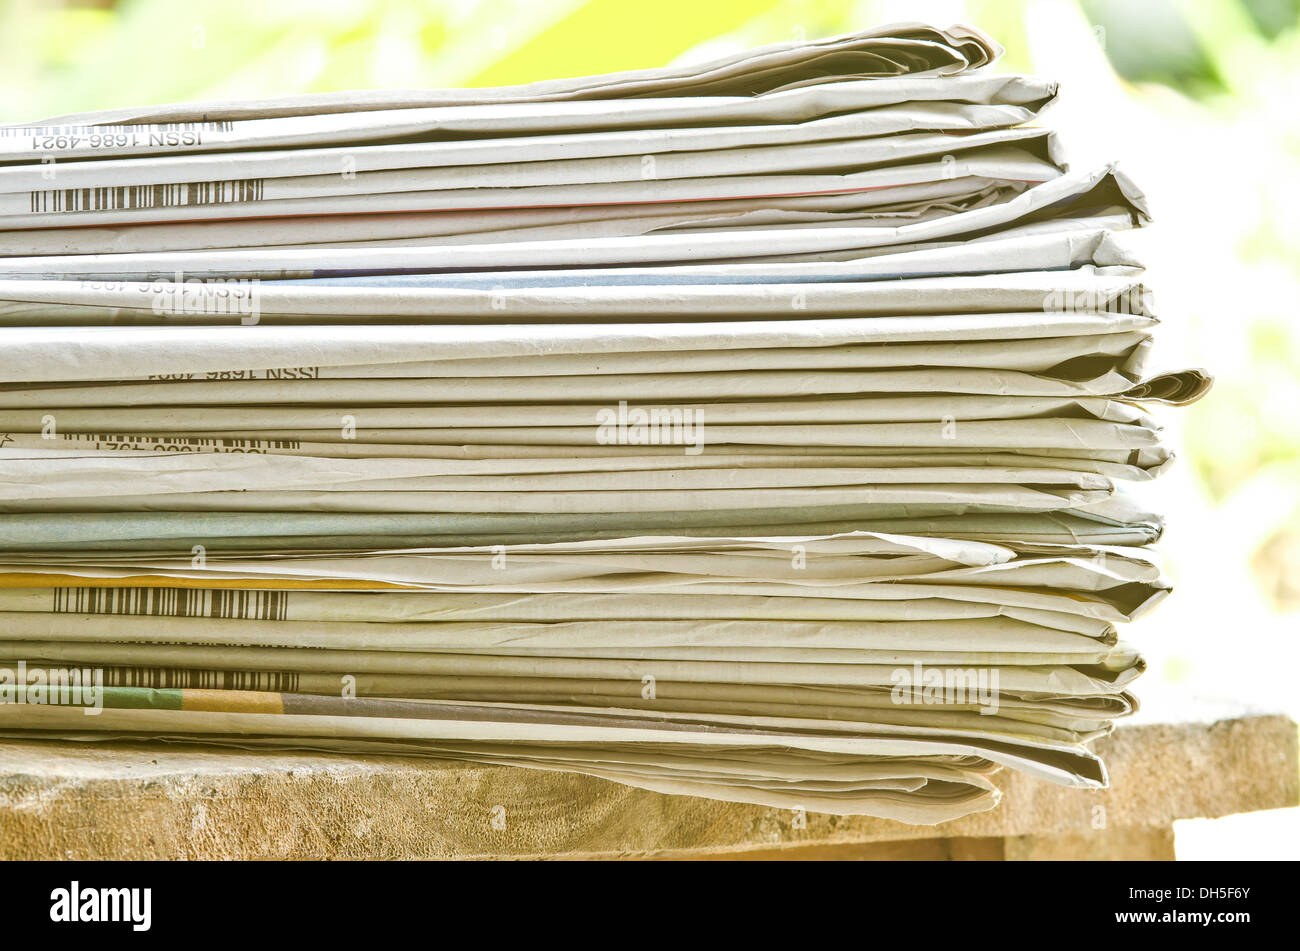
[[748, 430]]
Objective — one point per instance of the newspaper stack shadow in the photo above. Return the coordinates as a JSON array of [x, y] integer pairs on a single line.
[[748, 431]]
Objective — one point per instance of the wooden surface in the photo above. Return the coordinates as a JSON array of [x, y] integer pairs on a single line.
[[92, 801]]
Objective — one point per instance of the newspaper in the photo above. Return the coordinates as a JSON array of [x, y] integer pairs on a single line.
[[755, 429], [893, 50], [1057, 193]]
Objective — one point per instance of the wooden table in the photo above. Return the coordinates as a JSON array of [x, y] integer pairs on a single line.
[[136, 801]]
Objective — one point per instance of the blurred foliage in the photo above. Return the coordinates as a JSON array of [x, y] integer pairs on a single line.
[[1152, 42], [78, 55]]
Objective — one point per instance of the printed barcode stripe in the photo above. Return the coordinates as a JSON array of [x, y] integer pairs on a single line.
[[174, 602], [184, 440], [26, 131], [194, 678], [127, 197]]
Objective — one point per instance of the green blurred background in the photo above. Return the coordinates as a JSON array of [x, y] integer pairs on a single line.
[[1198, 99]]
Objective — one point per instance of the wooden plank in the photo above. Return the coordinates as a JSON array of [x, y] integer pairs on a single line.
[[90, 800]]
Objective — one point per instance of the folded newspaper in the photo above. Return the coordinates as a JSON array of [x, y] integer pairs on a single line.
[[752, 430]]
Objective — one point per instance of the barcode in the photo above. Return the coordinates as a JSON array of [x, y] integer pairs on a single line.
[[174, 602], [216, 443], [124, 197], [26, 131], [163, 677]]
